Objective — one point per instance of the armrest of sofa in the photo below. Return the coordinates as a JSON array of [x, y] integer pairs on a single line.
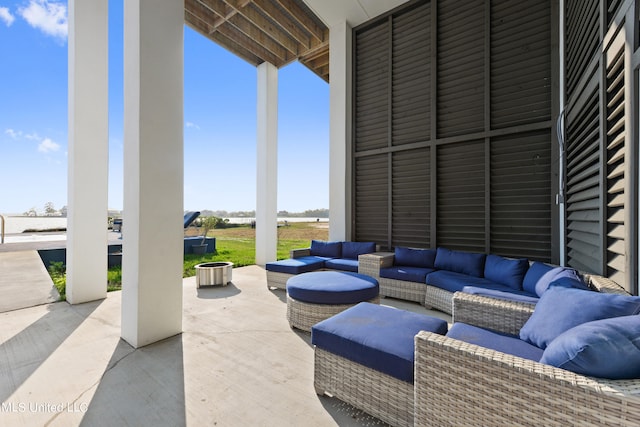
[[491, 313], [603, 284], [370, 264], [456, 383], [297, 253]]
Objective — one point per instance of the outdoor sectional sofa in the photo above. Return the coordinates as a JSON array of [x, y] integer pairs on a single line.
[[432, 276], [321, 255], [575, 361]]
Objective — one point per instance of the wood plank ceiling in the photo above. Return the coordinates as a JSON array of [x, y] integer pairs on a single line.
[[275, 31]]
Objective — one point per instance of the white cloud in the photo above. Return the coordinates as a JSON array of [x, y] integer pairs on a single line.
[[6, 16], [47, 145], [13, 133], [50, 17], [192, 125]]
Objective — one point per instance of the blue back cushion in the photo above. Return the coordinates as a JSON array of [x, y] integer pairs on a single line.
[[326, 249], [535, 273], [560, 309], [351, 250], [509, 272], [460, 262], [608, 348], [410, 257]]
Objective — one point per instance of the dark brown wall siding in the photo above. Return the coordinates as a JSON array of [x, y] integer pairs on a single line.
[[452, 99]]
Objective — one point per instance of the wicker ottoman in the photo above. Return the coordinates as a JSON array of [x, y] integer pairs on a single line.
[[313, 297], [365, 356]]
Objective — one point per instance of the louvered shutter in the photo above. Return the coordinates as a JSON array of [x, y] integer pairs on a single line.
[[411, 217], [461, 191], [584, 235], [460, 80], [520, 201], [616, 156], [371, 199], [371, 94], [411, 100], [520, 62]]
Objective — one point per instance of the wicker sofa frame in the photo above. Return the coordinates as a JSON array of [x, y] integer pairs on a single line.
[[459, 384], [277, 280], [376, 393]]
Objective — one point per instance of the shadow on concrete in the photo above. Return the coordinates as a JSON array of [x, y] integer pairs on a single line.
[[141, 387], [216, 292], [24, 353]]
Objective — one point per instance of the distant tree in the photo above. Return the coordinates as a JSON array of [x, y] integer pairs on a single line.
[[31, 212], [63, 211], [49, 209]]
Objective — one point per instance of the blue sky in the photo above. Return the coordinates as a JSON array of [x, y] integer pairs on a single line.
[[219, 112]]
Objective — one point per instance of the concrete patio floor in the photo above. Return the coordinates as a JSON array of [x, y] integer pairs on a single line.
[[237, 363]]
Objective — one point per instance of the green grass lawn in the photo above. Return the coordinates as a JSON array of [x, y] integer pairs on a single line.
[[236, 245]]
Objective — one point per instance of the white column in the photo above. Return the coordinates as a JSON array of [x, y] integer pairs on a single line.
[[88, 148], [153, 170], [267, 167], [340, 131]]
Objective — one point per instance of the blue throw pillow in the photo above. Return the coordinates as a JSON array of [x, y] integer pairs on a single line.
[[460, 262], [563, 273], [560, 309], [351, 250], [410, 257], [326, 249], [509, 272], [608, 348], [569, 282]]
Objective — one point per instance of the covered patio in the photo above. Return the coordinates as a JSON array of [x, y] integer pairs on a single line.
[[480, 126], [237, 362]]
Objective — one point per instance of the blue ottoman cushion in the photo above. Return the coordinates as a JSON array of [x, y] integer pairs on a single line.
[[299, 265], [509, 344], [332, 287], [379, 337]]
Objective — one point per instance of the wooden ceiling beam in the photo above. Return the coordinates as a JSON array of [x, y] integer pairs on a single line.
[[247, 43], [256, 34], [274, 31], [284, 21], [200, 11], [301, 16]]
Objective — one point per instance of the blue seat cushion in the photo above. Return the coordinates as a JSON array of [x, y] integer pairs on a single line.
[[326, 249], [460, 262], [608, 348], [351, 250], [560, 309], [342, 264], [510, 295], [379, 337], [409, 274], [454, 282], [299, 265], [410, 257], [332, 287], [509, 344], [509, 272]]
